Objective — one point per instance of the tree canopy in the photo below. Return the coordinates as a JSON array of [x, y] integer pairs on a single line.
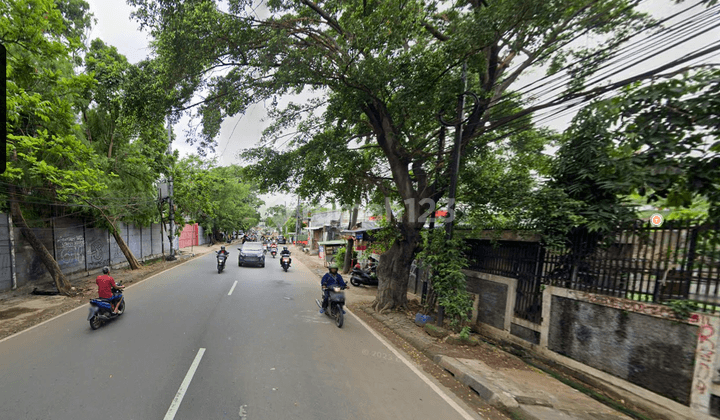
[[384, 70]]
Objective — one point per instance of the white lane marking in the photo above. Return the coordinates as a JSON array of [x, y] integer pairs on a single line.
[[232, 288], [87, 305], [243, 412], [183, 387], [412, 367]]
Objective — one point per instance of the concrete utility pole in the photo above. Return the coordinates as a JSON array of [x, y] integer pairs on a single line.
[[297, 221], [455, 171], [171, 234]]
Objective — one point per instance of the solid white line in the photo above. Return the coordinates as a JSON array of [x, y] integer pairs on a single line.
[[412, 367], [232, 288], [183, 387], [86, 305]]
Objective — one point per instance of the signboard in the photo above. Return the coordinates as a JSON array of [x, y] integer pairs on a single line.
[[321, 252], [359, 236]]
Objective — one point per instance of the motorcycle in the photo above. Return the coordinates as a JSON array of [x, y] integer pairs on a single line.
[[336, 300], [101, 309], [221, 258], [273, 251], [363, 277], [285, 262]]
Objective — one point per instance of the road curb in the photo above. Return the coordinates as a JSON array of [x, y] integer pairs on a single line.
[[482, 386]]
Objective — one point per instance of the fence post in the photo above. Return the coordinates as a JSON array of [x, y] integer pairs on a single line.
[[109, 249], [11, 236], [52, 229], [87, 272], [692, 251]]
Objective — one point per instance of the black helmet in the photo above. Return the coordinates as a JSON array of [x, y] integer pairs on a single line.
[[106, 270], [285, 248], [222, 248]]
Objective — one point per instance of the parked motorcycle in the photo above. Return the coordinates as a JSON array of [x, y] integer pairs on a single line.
[[336, 300], [363, 277], [285, 263], [101, 309], [221, 258]]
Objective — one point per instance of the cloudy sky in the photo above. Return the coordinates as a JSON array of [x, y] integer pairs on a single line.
[[115, 27]]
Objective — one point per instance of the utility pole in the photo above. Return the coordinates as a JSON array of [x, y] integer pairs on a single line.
[[455, 169], [171, 233], [297, 221]]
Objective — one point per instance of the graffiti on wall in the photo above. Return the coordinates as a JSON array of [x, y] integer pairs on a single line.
[[98, 251], [70, 249], [705, 352]]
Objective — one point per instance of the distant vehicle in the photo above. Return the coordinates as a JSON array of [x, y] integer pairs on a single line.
[[282, 240], [251, 253]]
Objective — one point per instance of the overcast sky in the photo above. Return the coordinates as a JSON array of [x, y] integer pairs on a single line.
[[115, 27]]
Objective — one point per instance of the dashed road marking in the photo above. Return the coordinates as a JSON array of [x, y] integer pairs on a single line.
[[232, 288], [175, 405]]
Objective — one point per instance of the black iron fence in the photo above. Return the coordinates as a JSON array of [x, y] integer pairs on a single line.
[[515, 259], [679, 260]]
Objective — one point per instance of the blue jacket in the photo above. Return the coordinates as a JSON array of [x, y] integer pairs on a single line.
[[328, 281]]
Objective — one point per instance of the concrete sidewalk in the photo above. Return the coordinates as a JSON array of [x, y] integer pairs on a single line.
[[527, 393]]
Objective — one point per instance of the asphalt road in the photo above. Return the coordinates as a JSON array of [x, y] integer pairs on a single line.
[[187, 349]]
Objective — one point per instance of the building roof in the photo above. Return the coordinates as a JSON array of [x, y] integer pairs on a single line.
[[364, 227]]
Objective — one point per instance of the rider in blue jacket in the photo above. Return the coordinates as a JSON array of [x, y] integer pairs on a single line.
[[330, 279]]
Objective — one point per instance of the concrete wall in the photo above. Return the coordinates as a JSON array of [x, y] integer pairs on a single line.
[[97, 248], [493, 302], [651, 352], [637, 351], [76, 248]]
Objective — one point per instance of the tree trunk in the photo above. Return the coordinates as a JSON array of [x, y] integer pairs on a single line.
[[348, 256], [132, 261], [349, 249], [47, 259], [394, 270]]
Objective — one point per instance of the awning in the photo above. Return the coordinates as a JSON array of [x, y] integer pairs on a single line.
[[332, 243], [314, 228]]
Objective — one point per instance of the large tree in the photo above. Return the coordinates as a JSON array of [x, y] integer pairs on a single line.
[[49, 163], [132, 146], [385, 70]]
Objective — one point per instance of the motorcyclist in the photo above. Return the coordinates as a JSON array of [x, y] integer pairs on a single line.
[[223, 251], [285, 253], [106, 285], [330, 279]]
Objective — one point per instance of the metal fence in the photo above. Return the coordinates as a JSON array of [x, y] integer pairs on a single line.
[[679, 260], [520, 260]]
